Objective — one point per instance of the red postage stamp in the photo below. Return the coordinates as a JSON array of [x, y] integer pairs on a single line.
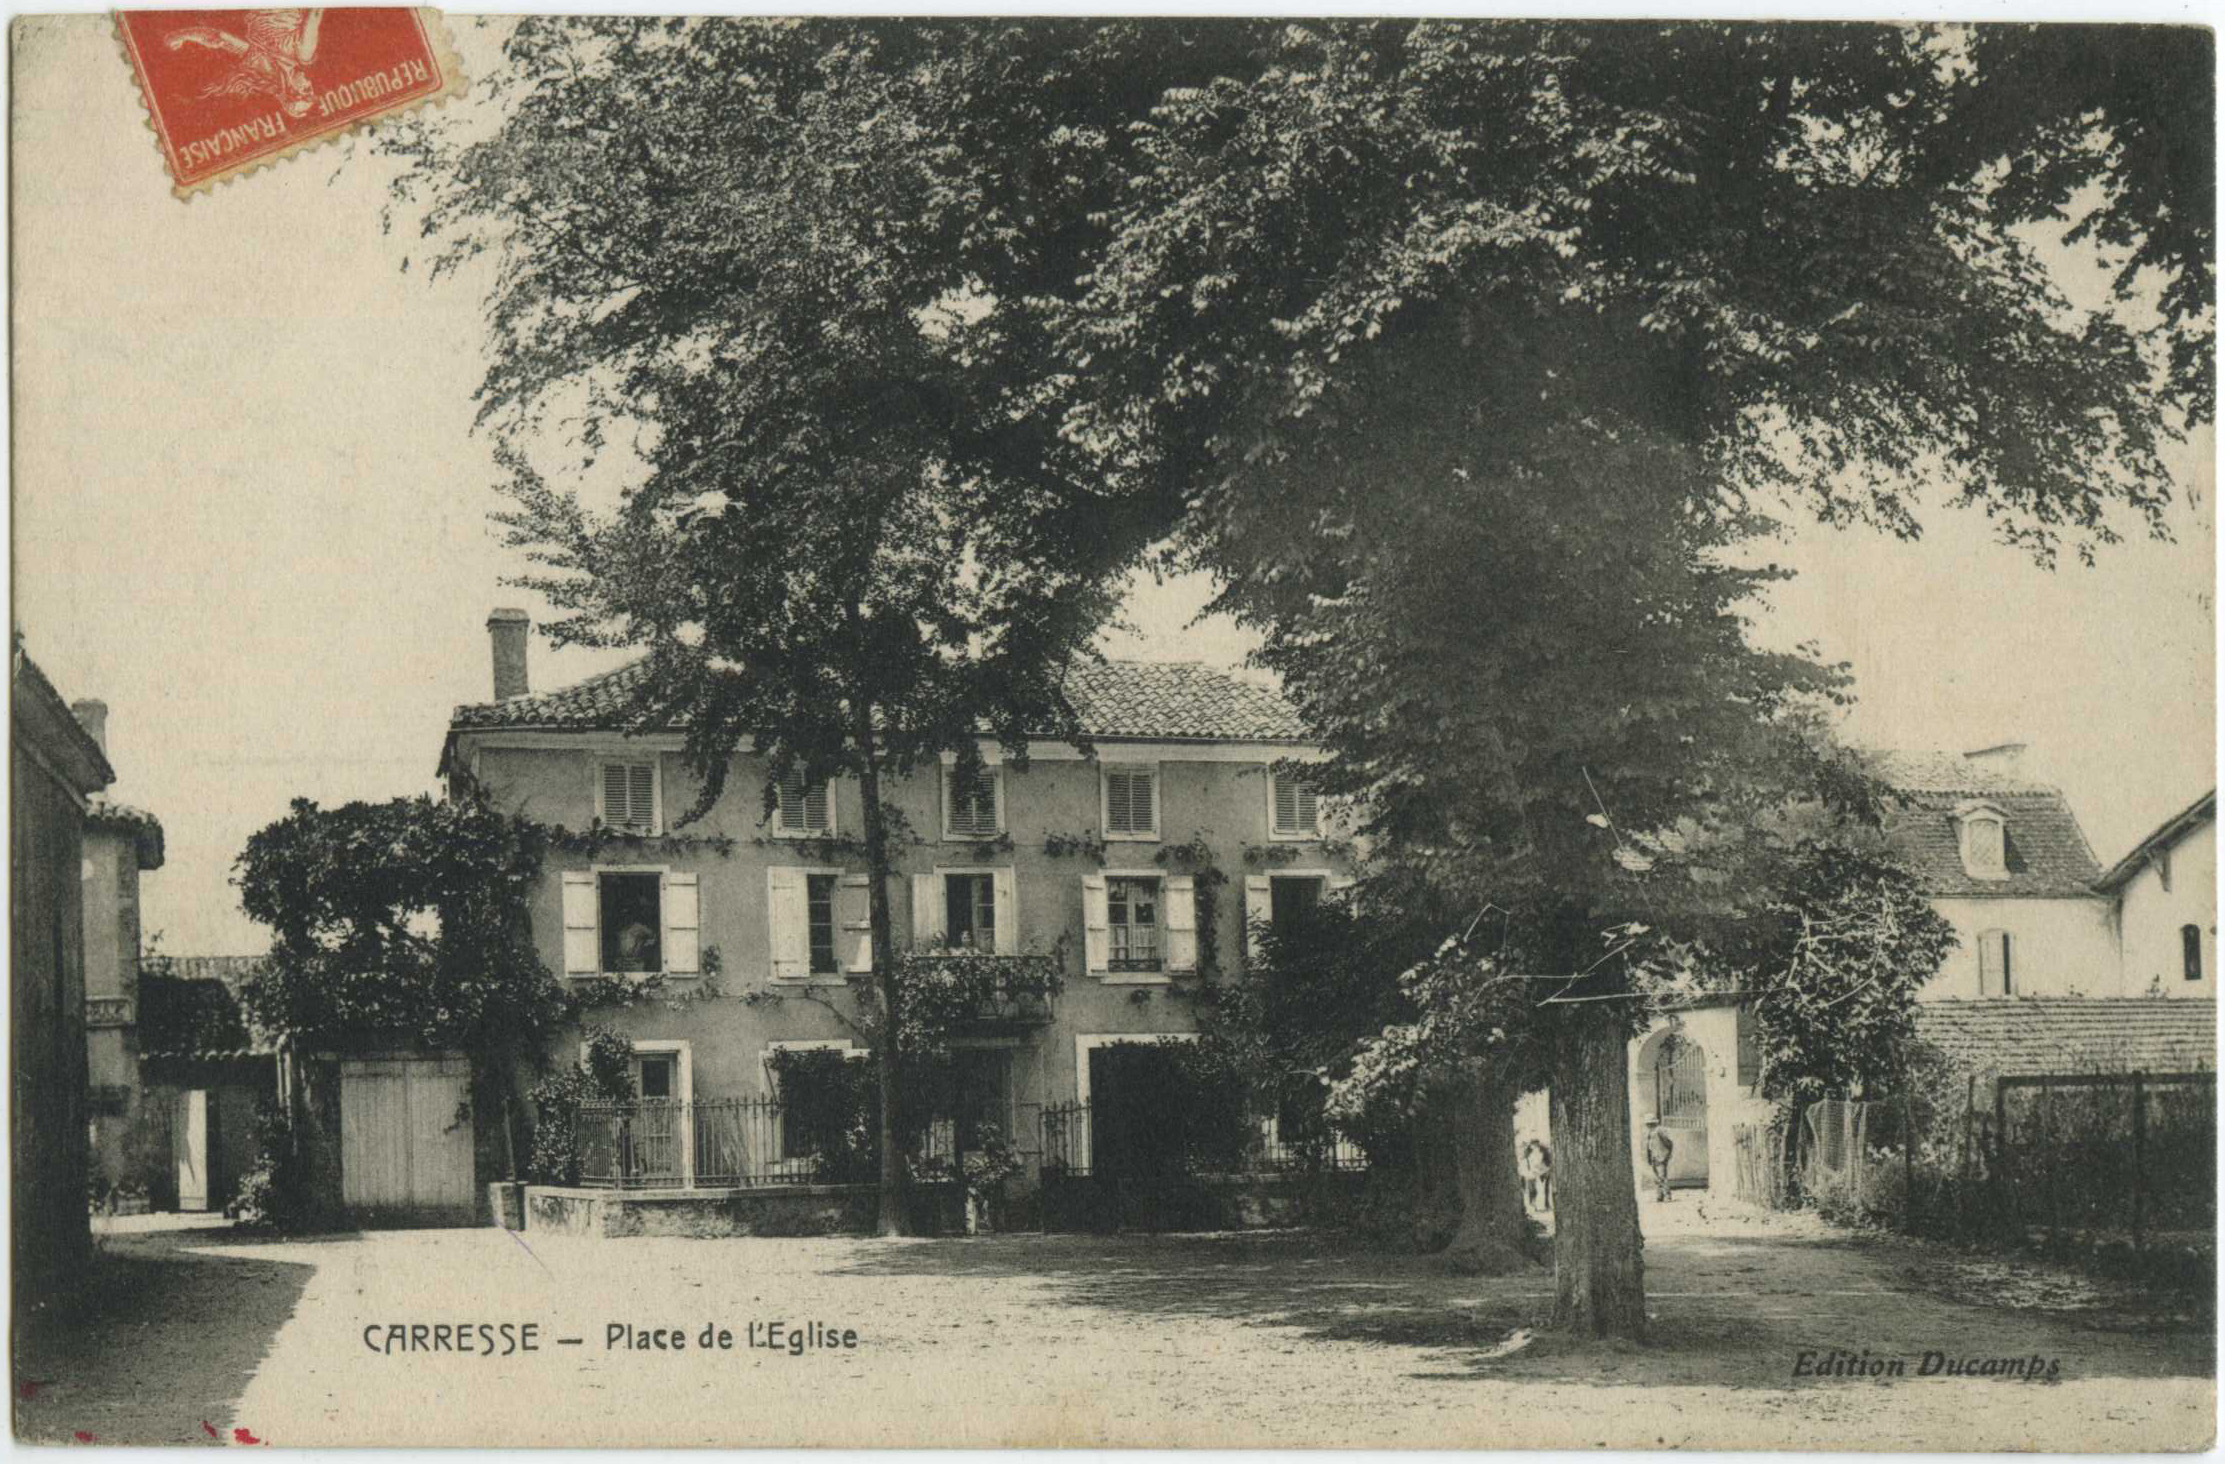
[[228, 91]]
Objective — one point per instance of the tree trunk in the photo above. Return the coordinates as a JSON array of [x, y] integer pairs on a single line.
[[890, 1219], [1598, 1255], [1494, 1225]]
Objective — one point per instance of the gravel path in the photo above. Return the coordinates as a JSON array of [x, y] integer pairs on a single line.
[[1230, 1340]]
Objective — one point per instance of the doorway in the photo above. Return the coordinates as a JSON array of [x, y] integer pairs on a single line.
[[1670, 1085]]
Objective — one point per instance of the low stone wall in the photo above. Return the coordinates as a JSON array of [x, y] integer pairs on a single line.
[[1198, 1202], [816, 1209]]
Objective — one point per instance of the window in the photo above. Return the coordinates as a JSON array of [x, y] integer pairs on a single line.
[[819, 919], [970, 911], [1297, 806], [804, 810], [628, 791], [1292, 899], [619, 921], [656, 1074], [972, 806], [633, 918], [1131, 803], [1984, 834], [1996, 973], [2190, 950], [821, 1097], [1132, 923]]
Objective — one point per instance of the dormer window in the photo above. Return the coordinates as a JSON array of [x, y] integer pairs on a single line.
[[1985, 840]]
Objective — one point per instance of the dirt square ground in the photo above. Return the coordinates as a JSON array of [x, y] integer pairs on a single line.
[[1237, 1340]]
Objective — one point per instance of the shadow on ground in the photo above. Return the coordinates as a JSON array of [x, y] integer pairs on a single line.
[[154, 1323], [1725, 1312]]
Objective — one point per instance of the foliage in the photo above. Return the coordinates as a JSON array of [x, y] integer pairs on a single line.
[[1088, 844], [275, 1193], [598, 838], [950, 991], [406, 919], [833, 1100], [179, 1014], [598, 993], [604, 1074], [1843, 948]]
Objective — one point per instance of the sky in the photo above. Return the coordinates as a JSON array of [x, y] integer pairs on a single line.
[[250, 514]]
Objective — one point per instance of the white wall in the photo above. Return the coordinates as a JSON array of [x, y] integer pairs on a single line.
[[2056, 947], [2149, 917]]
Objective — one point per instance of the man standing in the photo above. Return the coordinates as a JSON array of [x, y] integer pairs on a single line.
[[1659, 1146]]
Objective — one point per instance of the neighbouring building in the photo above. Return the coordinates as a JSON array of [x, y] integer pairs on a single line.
[[121, 844], [2050, 946], [205, 1075], [55, 771], [2164, 906], [1137, 867]]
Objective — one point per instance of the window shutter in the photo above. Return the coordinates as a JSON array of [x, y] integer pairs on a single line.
[[1096, 924], [1180, 916], [853, 918], [1286, 804], [1749, 1047], [1007, 888], [2008, 967], [682, 922], [1309, 808], [1117, 820], [815, 809], [614, 794], [1259, 908], [927, 913], [1141, 794], [788, 923], [1989, 963], [582, 948], [641, 795]]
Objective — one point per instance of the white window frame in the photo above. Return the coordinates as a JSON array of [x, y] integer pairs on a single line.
[[995, 775], [1104, 800], [1087, 1042], [850, 1051], [942, 873], [1161, 977], [654, 1046], [662, 872], [776, 829], [603, 758], [1275, 835], [1967, 819], [840, 974]]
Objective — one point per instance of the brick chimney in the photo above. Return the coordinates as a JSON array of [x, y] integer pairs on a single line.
[[92, 715], [506, 633]]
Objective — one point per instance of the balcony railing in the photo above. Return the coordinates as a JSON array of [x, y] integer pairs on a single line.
[[998, 991]]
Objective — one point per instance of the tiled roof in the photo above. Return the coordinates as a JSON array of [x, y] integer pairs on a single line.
[[2201, 811], [103, 812], [2029, 1036], [2047, 852], [1115, 699]]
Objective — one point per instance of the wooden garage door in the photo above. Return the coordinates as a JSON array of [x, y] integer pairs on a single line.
[[405, 1139]]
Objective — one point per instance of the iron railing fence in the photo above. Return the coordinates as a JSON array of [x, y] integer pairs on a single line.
[[728, 1143], [1069, 1149]]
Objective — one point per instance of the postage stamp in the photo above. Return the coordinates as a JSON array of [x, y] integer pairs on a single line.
[[228, 91]]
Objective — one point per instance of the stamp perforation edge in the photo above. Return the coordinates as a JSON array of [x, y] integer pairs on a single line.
[[432, 25]]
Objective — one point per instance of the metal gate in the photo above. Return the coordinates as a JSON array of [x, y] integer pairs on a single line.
[[405, 1140], [1680, 1102]]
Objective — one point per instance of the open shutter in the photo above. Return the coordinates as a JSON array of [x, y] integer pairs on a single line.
[[1989, 963], [1259, 907], [582, 947], [788, 923], [1008, 912], [682, 925], [927, 913], [1181, 922], [1096, 924], [853, 918]]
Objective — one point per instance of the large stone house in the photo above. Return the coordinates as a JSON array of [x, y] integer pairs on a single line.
[[1137, 866]]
